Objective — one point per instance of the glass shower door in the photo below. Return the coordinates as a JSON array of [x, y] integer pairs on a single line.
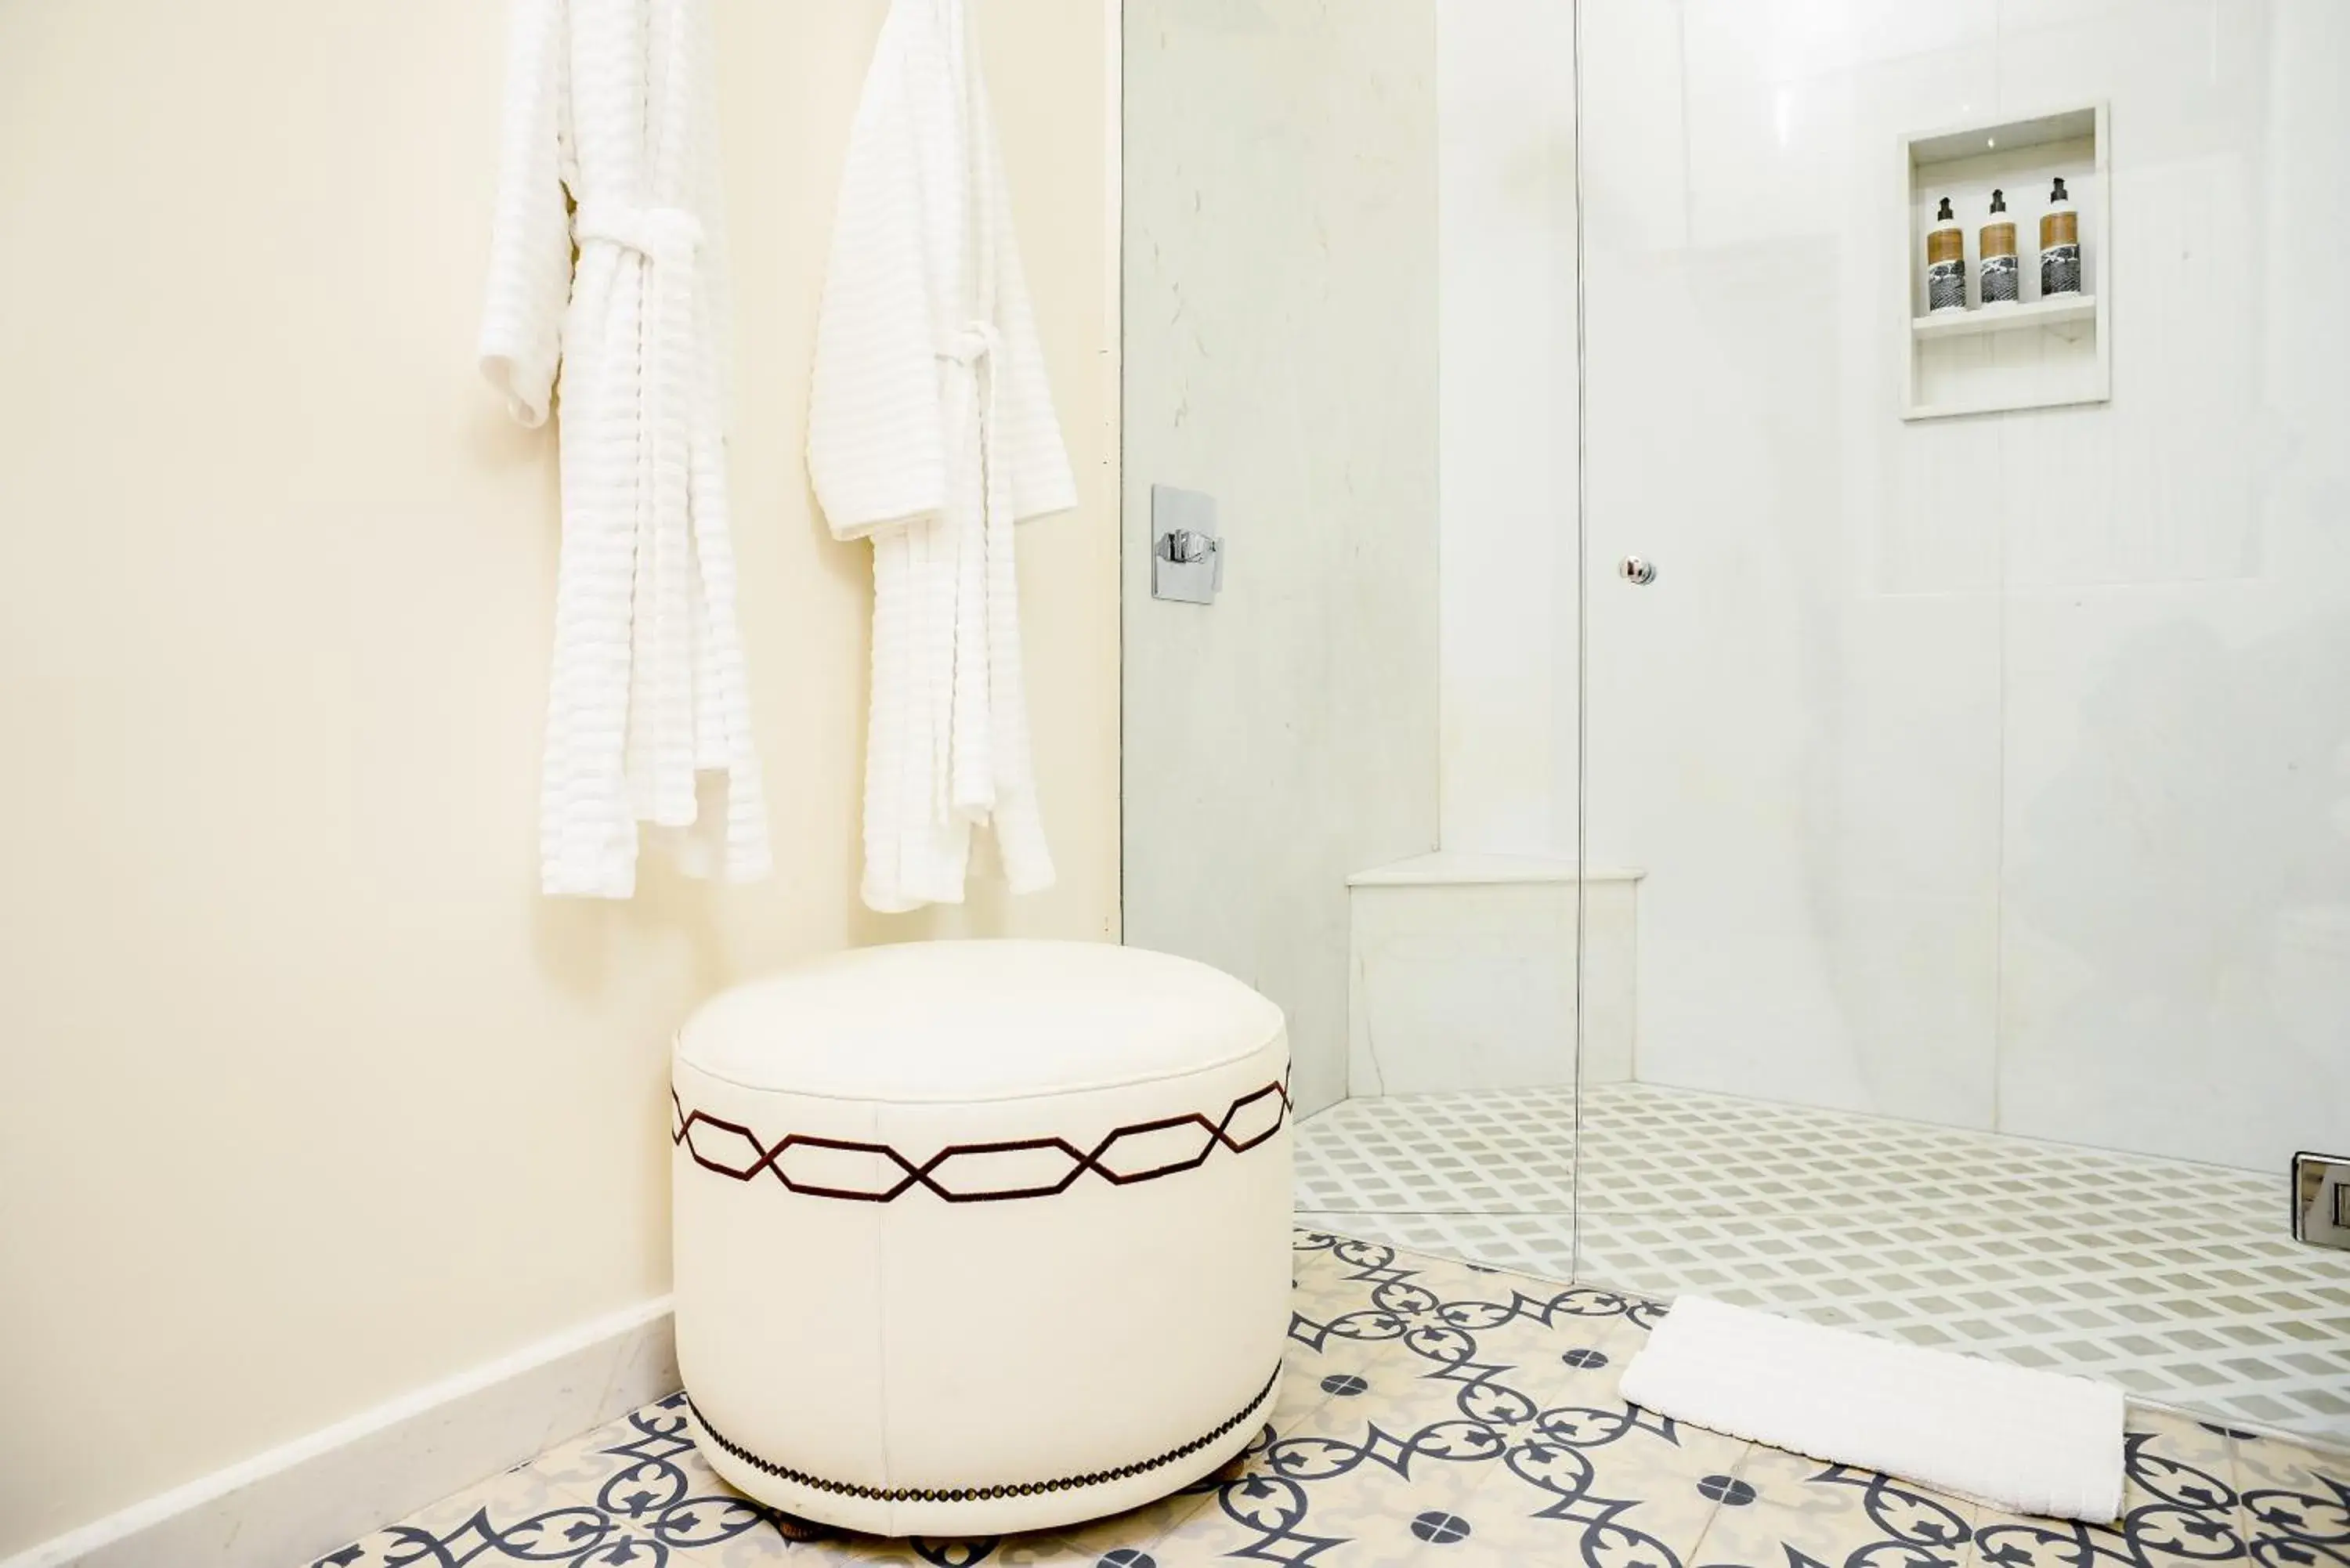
[[1349, 755], [1980, 729]]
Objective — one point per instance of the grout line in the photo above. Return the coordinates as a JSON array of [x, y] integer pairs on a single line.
[[1696, 1553], [1582, 637]]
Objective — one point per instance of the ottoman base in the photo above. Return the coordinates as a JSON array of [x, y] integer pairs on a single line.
[[1001, 1509]]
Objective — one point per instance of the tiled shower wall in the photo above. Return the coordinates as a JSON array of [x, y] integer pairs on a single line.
[[1506, 375], [1990, 771], [1281, 348]]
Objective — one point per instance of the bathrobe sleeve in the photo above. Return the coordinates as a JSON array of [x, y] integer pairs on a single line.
[[1029, 436], [530, 236], [877, 443]]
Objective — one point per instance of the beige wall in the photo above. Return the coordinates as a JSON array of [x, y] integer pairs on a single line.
[[310, 1100]]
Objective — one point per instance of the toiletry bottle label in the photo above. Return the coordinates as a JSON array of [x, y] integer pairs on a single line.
[[2060, 270], [1999, 279], [1946, 285], [2060, 253], [1946, 270], [2000, 282]]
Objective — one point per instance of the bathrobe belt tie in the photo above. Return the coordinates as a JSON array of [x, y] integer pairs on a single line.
[[984, 556], [667, 236], [971, 343], [668, 399]]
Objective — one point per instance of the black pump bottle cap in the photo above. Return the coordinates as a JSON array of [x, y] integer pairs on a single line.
[[1998, 202], [1945, 212], [2058, 193]]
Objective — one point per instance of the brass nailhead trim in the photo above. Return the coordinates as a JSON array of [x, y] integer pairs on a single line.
[[983, 1494]]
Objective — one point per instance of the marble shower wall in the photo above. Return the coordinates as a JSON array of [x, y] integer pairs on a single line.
[[1281, 354], [1990, 771], [1505, 117]]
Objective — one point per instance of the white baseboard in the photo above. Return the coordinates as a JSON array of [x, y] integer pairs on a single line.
[[302, 1500]]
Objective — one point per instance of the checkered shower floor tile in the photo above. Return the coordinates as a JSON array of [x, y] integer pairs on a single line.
[[2175, 1281]]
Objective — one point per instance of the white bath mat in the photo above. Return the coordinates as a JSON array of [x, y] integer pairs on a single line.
[[2030, 1442]]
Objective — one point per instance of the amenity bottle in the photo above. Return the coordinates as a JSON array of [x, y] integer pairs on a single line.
[[1997, 249], [2060, 245], [1945, 262]]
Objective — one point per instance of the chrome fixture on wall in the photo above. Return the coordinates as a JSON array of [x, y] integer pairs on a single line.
[[1187, 553], [2321, 1200]]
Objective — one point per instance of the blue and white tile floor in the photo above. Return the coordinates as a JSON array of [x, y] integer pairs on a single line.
[[1436, 1412]]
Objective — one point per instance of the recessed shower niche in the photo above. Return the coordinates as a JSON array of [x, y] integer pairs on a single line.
[[2034, 351]]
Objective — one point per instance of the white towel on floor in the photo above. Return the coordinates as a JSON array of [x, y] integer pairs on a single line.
[[2030, 1442]]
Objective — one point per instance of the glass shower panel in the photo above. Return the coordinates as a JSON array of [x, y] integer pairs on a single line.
[[1987, 773], [1350, 776], [1280, 385]]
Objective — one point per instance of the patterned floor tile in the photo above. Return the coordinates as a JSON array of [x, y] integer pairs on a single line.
[[1335, 1360], [1636, 1487], [1354, 1275], [1084, 1548], [645, 1460], [1343, 1484], [1366, 1517], [1624, 1484], [1535, 1244], [2179, 1508], [517, 1517], [2293, 1506], [647, 1470], [1472, 1419], [1978, 1241], [1494, 1424], [1777, 1509]]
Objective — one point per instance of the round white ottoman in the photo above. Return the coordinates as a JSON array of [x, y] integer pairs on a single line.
[[981, 1237]]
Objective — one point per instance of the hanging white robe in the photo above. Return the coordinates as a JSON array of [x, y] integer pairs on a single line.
[[611, 102], [931, 432]]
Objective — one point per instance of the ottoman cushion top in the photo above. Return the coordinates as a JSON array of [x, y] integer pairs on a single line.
[[951, 1020]]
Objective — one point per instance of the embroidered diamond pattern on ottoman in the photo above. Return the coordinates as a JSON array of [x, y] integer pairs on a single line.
[[834, 1168], [989, 1172], [818, 1167], [1253, 1118], [723, 1147], [1160, 1148]]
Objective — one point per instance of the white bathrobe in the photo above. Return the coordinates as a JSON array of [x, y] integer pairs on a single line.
[[648, 719], [931, 432]]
